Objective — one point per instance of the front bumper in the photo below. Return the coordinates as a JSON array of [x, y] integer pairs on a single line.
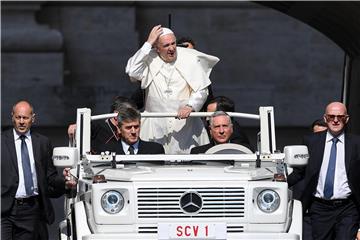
[[283, 236]]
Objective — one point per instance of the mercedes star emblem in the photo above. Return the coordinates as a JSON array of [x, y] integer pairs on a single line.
[[191, 202]]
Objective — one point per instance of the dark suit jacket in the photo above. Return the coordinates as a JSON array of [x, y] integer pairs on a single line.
[[236, 140], [201, 149], [49, 183], [146, 147], [102, 137], [316, 144], [239, 137], [204, 148]]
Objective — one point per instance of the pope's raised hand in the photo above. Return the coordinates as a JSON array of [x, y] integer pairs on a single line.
[[154, 34]]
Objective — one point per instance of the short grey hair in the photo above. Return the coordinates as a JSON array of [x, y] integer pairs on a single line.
[[219, 113], [128, 113]]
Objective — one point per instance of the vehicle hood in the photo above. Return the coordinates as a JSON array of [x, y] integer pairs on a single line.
[[188, 172]]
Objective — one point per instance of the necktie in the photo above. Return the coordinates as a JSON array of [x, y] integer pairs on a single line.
[[131, 150], [330, 174], [25, 159]]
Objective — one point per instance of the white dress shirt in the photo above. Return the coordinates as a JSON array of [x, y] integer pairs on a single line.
[[126, 146], [341, 186], [21, 192]]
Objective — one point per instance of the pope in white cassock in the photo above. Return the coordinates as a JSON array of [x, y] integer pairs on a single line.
[[175, 80]]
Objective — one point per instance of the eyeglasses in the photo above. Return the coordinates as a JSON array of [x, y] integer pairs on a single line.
[[330, 117]]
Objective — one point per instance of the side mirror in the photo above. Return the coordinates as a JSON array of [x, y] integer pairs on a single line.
[[65, 157], [296, 155]]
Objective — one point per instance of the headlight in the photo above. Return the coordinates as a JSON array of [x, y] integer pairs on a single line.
[[268, 201], [112, 202]]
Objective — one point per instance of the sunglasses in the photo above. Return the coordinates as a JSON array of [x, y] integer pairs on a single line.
[[330, 117]]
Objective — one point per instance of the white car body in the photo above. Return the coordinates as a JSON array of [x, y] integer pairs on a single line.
[[204, 196]]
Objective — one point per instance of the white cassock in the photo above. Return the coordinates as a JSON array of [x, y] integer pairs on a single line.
[[169, 86]]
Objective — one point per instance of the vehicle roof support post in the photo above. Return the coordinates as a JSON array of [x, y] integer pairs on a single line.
[[267, 129], [83, 134]]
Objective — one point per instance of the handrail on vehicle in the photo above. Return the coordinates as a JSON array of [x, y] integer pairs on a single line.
[[266, 140], [173, 114]]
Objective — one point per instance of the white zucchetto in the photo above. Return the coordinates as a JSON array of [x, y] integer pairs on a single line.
[[166, 31]]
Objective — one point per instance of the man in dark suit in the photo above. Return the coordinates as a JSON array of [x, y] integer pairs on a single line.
[[105, 134], [129, 126], [28, 179], [332, 195], [220, 130], [222, 103]]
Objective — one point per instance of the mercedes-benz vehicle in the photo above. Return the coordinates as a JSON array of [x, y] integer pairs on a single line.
[[229, 192]]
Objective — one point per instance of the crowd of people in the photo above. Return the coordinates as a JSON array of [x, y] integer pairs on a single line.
[[176, 79]]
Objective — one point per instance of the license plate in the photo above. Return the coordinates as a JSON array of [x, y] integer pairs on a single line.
[[191, 231]]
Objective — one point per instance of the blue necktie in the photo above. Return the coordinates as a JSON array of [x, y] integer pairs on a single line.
[[330, 174], [25, 159]]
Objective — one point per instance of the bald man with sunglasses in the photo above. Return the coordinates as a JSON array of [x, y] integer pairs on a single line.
[[332, 195]]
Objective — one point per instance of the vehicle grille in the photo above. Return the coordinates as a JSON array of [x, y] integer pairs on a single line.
[[165, 202]]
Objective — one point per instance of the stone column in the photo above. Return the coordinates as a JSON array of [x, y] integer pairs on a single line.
[[32, 58]]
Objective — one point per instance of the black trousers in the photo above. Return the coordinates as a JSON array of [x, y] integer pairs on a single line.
[[334, 219], [24, 222], [307, 227]]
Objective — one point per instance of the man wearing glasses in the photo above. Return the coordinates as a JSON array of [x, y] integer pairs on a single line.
[[332, 195]]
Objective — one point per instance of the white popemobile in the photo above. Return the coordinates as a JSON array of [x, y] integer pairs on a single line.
[[227, 193]]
